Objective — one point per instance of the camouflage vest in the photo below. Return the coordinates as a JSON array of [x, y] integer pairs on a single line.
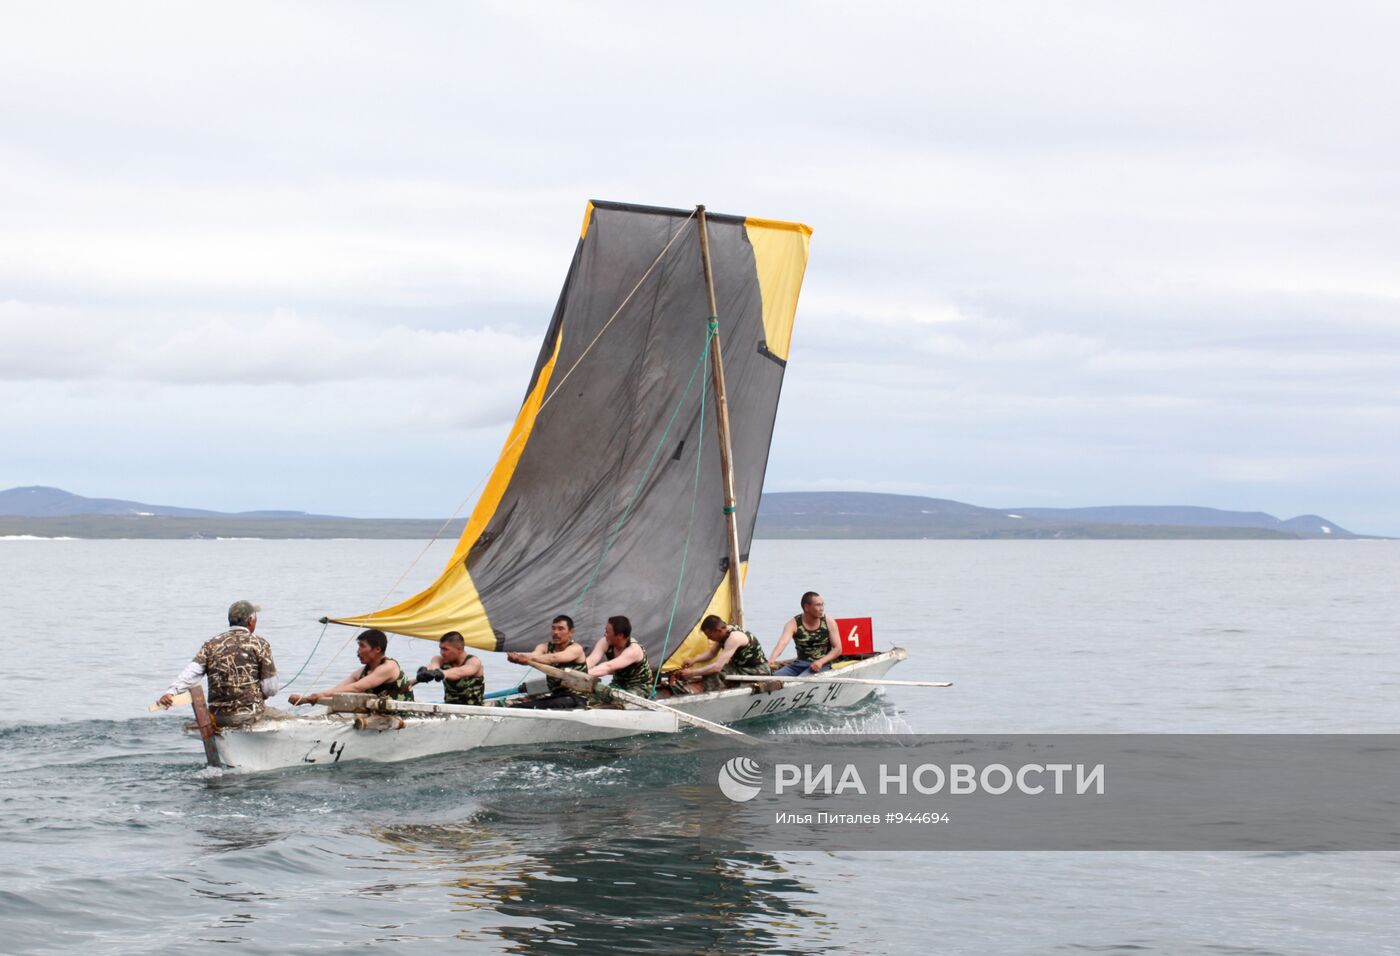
[[748, 659], [555, 683], [392, 689], [811, 644], [470, 691], [235, 663], [634, 678]]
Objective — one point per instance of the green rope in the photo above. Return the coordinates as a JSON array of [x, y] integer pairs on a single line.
[[689, 530], [636, 492], [308, 657]]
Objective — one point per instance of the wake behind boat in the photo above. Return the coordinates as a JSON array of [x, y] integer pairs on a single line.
[[629, 484]]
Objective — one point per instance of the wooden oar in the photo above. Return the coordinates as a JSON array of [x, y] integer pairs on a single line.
[[586, 684], [207, 727], [682, 716], [574, 680], [175, 701], [840, 680]]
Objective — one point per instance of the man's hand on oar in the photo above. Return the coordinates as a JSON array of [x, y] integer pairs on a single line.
[[167, 701], [571, 679]]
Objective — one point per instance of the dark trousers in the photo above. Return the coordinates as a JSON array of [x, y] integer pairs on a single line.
[[560, 699]]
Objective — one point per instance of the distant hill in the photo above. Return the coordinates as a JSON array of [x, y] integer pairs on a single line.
[[844, 514], [850, 514], [1187, 516], [38, 501], [52, 512], [227, 526]]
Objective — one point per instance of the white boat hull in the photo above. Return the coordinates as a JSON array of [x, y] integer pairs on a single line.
[[333, 738]]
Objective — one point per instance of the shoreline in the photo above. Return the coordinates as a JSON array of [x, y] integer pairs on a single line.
[[148, 528]]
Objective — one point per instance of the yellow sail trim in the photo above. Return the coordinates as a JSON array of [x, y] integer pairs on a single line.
[[452, 603], [780, 257], [587, 218], [490, 498], [695, 643]]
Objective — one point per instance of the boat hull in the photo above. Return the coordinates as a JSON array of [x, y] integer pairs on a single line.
[[334, 738]]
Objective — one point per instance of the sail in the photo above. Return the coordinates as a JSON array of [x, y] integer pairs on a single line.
[[607, 496]]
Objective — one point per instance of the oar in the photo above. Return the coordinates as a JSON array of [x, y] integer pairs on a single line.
[[586, 684], [175, 701], [682, 716], [840, 680], [574, 680], [207, 727]]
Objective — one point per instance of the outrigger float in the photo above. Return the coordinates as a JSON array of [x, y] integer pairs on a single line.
[[625, 486]]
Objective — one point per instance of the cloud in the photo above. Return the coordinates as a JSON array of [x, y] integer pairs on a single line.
[[1094, 253], [280, 347]]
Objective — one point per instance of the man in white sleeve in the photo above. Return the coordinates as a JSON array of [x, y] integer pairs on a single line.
[[238, 664]]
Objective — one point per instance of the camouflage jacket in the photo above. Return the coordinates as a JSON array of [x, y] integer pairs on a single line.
[[748, 659], [634, 678], [398, 689], [811, 645], [554, 683], [464, 690], [235, 663]]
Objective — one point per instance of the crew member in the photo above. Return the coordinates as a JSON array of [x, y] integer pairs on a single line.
[[733, 650], [238, 664], [462, 676], [563, 652], [381, 675], [626, 660], [814, 634]]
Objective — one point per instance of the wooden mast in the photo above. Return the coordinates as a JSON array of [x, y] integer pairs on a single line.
[[726, 451]]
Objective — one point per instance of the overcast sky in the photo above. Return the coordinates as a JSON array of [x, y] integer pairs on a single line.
[[302, 256]]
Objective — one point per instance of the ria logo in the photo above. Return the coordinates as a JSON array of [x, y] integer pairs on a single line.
[[740, 779]]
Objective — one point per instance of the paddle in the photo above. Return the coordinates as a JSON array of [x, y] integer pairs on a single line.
[[175, 701], [841, 680], [682, 716], [574, 680], [586, 684], [207, 727]]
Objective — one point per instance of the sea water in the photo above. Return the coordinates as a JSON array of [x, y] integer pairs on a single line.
[[115, 839]]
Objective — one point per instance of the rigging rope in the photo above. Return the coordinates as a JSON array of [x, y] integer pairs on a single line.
[[476, 489], [308, 658]]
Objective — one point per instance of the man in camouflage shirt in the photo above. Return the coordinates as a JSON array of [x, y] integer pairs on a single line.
[[814, 634], [625, 659], [238, 664], [733, 651], [381, 675], [563, 652]]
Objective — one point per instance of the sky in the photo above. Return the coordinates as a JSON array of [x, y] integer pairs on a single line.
[[1064, 254]]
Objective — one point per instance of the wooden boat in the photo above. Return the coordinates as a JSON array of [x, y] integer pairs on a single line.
[[625, 486], [391, 732]]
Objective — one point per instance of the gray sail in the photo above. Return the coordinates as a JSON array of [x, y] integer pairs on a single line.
[[607, 496]]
